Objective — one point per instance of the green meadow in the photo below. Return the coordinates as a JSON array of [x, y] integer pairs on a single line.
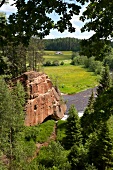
[[51, 56], [71, 79]]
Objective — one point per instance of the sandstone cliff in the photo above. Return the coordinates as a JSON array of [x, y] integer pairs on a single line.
[[43, 99]]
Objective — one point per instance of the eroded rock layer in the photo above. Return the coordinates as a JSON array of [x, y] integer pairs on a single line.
[[43, 99]]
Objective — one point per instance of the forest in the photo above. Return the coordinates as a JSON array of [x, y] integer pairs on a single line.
[[62, 44], [78, 143], [66, 44]]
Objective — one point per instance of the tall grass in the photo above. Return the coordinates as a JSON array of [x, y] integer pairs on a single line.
[[71, 79], [45, 131]]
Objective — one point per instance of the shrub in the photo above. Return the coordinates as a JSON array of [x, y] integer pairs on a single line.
[[95, 66], [109, 61], [55, 63], [79, 60], [62, 63], [48, 63], [45, 130], [61, 127]]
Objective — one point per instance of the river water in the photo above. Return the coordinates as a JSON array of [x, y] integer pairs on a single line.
[[79, 100]]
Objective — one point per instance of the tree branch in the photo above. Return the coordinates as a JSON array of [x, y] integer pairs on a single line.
[[3, 1]]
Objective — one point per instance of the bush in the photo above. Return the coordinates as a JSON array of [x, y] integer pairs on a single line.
[[90, 63], [98, 67], [109, 61], [48, 63], [61, 127], [54, 156], [45, 130], [95, 66], [79, 60], [55, 63], [62, 63]]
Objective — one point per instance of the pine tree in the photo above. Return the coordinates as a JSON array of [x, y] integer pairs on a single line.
[[73, 128], [77, 157], [87, 117], [11, 118], [105, 81], [100, 148], [35, 54]]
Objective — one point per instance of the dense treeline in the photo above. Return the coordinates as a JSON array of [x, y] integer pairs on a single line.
[[62, 44]]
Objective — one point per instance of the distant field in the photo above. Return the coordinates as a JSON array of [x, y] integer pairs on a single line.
[[71, 79], [51, 55]]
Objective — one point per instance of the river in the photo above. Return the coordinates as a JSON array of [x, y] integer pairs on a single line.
[[80, 100]]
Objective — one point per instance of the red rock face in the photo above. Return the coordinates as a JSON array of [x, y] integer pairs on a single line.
[[43, 98]]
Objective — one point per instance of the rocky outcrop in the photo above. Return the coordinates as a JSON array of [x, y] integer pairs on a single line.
[[43, 99]]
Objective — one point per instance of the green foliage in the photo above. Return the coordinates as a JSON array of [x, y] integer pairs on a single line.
[[13, 59], [12, 121], [90, 167], [103, 106], [33, 19], [61, 131], [100, 144], [98, 14], [73, 55], [72, 79], [95, 66], [35, 54], [105, 81], [87, 117], [62, 63], [95, 47], [110, 126], [47, 63], [31, 133], [23, 152], [62, 44], [101, 112], [2, 18], [90, 63], [73, 129], [55, 63], [78, 60], [77, 157], [3, 65], [54, 156], [109, 60], [45, 130]]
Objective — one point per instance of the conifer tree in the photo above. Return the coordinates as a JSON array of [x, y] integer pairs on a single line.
[[87, 116], [73, 129], [11, 118], [77, 157], [100, 148], [105, 81]]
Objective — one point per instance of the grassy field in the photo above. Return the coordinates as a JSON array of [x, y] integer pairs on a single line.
[[51, 56], [71, 79]]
